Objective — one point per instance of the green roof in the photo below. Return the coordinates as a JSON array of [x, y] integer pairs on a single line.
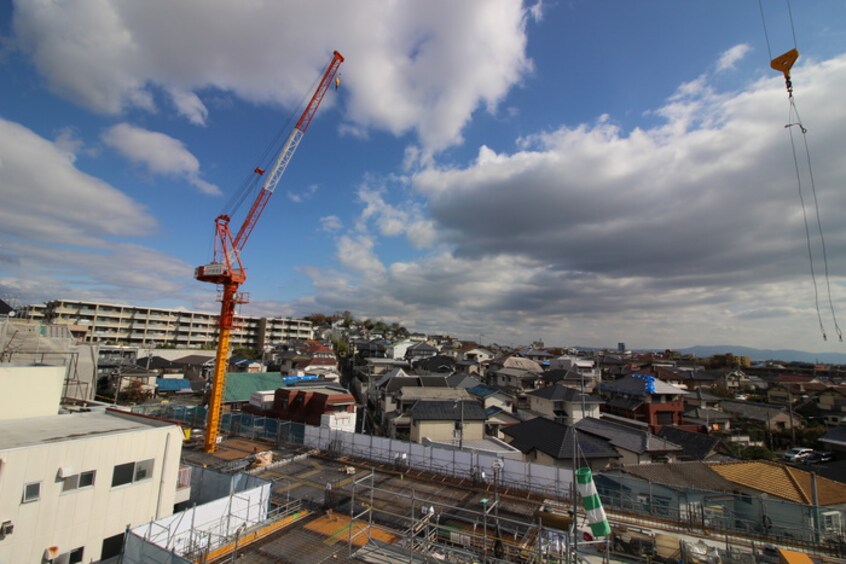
[[240, 385]]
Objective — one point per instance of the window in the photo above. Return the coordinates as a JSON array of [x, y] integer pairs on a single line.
[[665, 417], [72, 557], [132, 472], [112, 547], [78, 481], [32, 492]]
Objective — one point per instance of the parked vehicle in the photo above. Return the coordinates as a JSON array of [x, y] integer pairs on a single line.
[[818, 457], [797, 454]]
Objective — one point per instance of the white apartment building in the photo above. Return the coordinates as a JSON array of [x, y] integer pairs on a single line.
[[145, 326], [72, 483]]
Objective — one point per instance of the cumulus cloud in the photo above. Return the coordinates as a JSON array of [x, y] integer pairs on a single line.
[[64, 230], [111, 56], [45, 197], [674, 234], [730, 57], [406, 218], [331, 223], [159, 153]]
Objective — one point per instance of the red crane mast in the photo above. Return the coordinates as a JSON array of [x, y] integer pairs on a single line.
[[226, 268]]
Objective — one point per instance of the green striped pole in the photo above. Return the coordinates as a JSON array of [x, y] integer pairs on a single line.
[[599, 526]]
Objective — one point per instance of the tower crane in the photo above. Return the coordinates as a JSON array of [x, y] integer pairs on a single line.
[[226, 268]]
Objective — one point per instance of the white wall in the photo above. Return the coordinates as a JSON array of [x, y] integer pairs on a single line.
[[210, 522], [84, 517], [30, 391]]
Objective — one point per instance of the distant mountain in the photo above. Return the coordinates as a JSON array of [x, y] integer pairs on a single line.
[[784, 355]]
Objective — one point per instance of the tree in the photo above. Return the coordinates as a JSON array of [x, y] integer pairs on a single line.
[[134, 392]]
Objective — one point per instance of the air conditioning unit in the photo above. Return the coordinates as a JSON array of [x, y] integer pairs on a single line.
[[64, 472], [6, 528]]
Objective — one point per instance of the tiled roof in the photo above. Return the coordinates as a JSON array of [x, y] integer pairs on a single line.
[[682, 475], [424, 410], [563, 393], [752, 410], [554, 439], [782, 481], [696, 446], [193, 360], [626, 437]]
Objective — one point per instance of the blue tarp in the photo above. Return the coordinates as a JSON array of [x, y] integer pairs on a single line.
[[173, 385]]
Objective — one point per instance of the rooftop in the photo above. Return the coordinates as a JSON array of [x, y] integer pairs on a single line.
[[19, 433]]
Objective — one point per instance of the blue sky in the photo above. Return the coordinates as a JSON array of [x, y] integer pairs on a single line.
[[582, 172]]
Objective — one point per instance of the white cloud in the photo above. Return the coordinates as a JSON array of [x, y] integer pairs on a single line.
[[356, 254], [390, 220], [686, 232], [301, 197], [46, 198], [63, 229], [408, 68], [331, 223], [730, 57], [160, 153], [189, 105]]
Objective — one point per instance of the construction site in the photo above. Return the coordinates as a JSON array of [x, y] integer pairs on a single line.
[[327, 506]]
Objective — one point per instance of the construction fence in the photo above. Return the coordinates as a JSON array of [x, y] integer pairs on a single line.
[[477, 465]]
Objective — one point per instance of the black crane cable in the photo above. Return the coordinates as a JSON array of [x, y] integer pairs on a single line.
[[791, 122]]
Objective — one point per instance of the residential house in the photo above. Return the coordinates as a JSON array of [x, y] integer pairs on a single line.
[[516, 383], [685, 378], [419, 351], [544, 441], [696, 446], [644, 398], [312, 405], [462, 380], [397, 350], [635, 446], [370, 371], [707, 419], [491, 397], [540, 356], [769, 416], [758, 497], [570, 378], [515, 362], [195, 366], [456, 422], [477, 354], [439, 363], [827, 406], [582, 371], [397, 422], [701, 397], [563, 404]]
